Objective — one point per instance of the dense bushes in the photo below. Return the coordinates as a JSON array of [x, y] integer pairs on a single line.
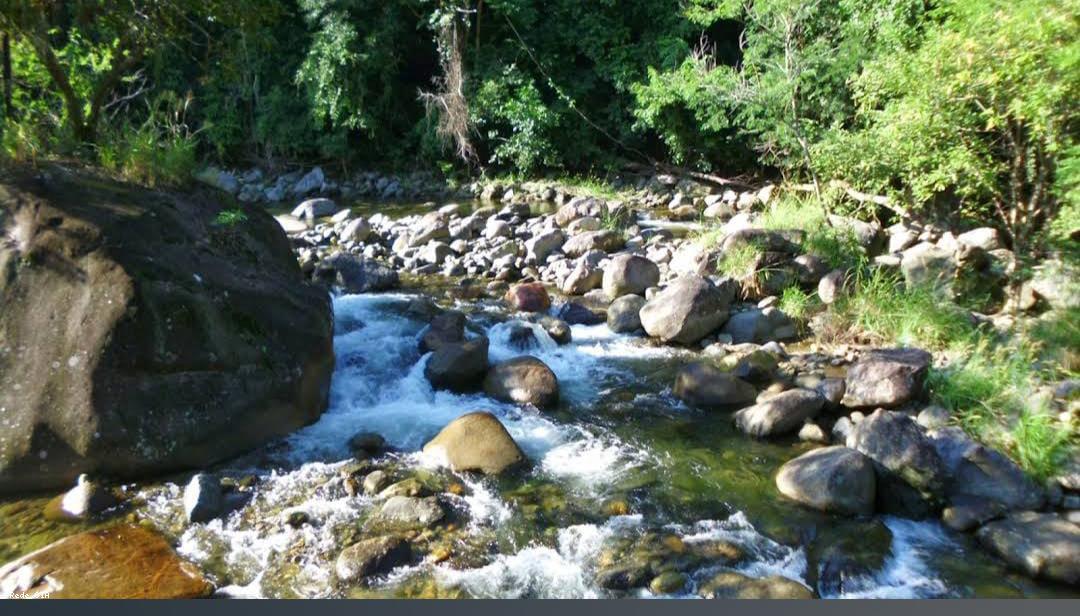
[[958, 108]]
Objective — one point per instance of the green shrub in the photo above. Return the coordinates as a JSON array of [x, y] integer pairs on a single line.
[[740, 261], [796, 303], [230, 217]]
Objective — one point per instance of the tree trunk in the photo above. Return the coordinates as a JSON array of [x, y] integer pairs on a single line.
[[8, 111]]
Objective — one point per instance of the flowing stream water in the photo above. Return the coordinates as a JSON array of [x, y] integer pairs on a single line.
[[619, 461]]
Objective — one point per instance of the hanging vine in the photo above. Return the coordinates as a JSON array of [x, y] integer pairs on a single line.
[[448, 101]]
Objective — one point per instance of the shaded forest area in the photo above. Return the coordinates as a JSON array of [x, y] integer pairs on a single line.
[[960, 108]]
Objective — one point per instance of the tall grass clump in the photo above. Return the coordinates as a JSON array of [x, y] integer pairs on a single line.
[[835, 245], [1040, 444], [881, 307]]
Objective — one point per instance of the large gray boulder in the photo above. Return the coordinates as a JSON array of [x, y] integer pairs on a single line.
[[523, 380], [886, 378], [703, 385], [629, 275], [1041, 545], [978, 473], [781, 414], [476, 442], [834, 479], [623, 315], [315, 208], [458, 366], [148, 341], [928, 265], [908, 466], [689, 309], [543, 244]]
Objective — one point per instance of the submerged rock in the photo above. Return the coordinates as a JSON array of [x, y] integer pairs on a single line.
[[1041, 545], [833, 479], [371, 557], [408, 512], [476, 442], [781, 414], [194, 342], [523, 380], [123, 562], [702, 385], [732, 585]]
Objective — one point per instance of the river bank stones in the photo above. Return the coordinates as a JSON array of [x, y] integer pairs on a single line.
[[523, 380], [886, 378], [834, 479], [628, 274], [911, 476], [689, 309], [1041, 545], [476, 442]]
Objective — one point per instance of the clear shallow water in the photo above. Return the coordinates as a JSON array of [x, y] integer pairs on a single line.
[[616, 437]]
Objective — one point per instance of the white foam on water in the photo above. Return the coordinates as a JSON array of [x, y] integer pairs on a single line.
[[379, 386], [766, 557], [248, 541], [563, 572], [908, 573]]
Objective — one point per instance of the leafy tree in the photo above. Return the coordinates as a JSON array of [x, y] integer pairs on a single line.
[[89, 47], [977, 119]]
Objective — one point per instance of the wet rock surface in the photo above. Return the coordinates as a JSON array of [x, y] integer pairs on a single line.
[[124, 562]]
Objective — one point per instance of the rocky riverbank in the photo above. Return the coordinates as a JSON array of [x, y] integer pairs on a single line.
[[541, 393]]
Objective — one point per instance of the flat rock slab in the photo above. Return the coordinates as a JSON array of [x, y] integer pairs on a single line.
[[1042, 545], [125, 562]]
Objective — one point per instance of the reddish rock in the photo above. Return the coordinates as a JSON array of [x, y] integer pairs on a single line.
[[528, 297], [124, 562]]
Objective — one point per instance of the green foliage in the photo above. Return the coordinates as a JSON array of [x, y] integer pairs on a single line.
[[838, 247], [740, 261], [797, 304], [976, 115], [518, 126], [162, 150], [883, 308], [230, 218], [1040, 445]]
